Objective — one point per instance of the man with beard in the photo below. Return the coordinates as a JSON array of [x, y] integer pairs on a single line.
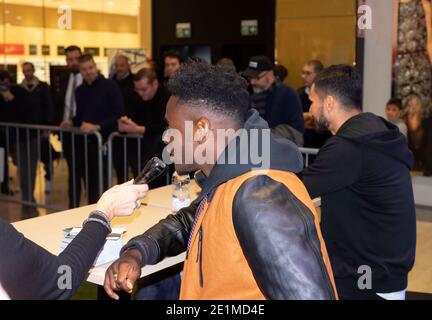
[[65, 111], [252, 232], [362, 175], [276, 103]]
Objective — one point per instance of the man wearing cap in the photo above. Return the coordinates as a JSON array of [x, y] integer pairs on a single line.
[[276, 102]]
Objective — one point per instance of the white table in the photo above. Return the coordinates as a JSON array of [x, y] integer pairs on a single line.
[[47, 231]]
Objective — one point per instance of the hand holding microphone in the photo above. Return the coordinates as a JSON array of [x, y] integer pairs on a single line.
[[123, 199]]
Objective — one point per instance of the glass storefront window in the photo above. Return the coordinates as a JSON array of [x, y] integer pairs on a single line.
[[39, 30]]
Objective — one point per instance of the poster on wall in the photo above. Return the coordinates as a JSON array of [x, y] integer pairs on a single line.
[[137, 58], [412, 76]]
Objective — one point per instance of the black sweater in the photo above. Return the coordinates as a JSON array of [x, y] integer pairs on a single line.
[[41, 104], [29, 272], [368, 213], [150, 114], [282, 106], [127, 89], [99, 103]]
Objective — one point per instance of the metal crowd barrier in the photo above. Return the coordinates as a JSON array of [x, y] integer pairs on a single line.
[[14, 145], [125, 141], [306, 152], [30, 146]]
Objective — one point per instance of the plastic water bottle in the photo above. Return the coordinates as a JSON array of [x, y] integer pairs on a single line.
[[181, 192]]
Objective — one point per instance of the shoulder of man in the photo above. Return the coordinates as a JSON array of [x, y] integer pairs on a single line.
[[285, 89]]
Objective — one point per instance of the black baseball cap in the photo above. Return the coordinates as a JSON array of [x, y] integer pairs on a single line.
[[257, 65]]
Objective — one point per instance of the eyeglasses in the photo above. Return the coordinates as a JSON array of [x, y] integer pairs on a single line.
[[260, 76], [306, 73]]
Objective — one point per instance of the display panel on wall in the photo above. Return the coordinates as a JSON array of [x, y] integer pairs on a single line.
[[45, 50], [137, 58], [94, 51], [33, 50], [412, 84]]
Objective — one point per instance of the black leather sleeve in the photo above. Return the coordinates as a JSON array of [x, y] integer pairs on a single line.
[[278, 236], [168, 238]]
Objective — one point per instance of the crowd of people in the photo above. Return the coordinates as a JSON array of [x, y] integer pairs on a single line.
[[361, 173], [126, 103], [253, 232]]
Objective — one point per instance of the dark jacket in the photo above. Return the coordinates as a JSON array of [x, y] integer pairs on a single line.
[[304, 99], [99, 103], [41, 104], [127, 89], [283, 107], [368, 217], [150, 114], [59, 96], [271, 230], [17, 110], [29, 272]]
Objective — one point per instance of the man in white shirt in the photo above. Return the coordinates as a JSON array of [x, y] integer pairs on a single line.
[[68, 85], [74, 80]]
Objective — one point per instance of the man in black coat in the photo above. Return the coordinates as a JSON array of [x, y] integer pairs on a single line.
[[362, 175], [99, 104], [146, 117], [312, 137], [64, 112], [15, 108], [124, 78], [277, 103], [41, 104]]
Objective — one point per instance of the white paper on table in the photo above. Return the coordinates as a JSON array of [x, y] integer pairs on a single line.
[[109, 252]]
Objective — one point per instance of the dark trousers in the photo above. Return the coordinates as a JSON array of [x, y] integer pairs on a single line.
[[48, 154], [163, 285], [83, 171], [5, 183], [25, 156]]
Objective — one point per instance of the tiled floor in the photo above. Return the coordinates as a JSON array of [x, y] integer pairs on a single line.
[[420, 278]]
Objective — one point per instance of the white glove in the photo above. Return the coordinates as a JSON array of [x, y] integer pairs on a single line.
[[122, 200]]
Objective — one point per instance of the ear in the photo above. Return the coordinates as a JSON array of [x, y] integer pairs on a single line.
[[202, 129], [329, 104]]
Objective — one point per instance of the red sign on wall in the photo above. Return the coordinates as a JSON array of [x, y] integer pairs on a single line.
[[12, 49]]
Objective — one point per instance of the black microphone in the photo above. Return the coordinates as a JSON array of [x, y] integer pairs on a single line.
[[153, 169]]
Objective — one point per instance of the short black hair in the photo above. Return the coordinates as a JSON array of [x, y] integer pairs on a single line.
[[342, 81], [73, 48], [85, 58], [217, 88], [316, 64], [395, 102], [29, 64], [174, 54], [281, 72]]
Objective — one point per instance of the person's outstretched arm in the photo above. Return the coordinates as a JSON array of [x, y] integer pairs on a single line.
[[27, 271]]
